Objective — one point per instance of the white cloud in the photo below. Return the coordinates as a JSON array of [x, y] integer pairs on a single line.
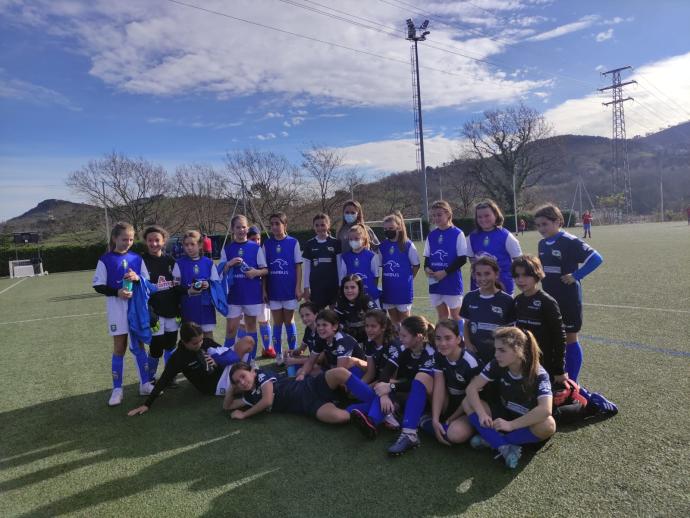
[[266, 136], [582, 23], [175, 50], [16, 89], [599, 68], [284, 133], [603, 36], [273, 115], [651, 109]]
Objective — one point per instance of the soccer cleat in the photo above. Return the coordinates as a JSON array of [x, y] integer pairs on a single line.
[[146, 389], [511, 454], [404, 443], [116, 397], [269, 353], [364, 424], [602, 404], [391, 423], [477, 442]]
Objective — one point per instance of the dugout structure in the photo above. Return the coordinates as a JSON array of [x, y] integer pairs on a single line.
[[415, 229]]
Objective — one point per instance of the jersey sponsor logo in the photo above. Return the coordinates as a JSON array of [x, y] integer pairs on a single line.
[[536, 304], [393, 353], [459, 377], [163, 284], [498, 310], [280, 264], [473, 306], [330, 248], [556, 253], [441, 255], [391, 265], [362, 276], [473, 327], [487, 254], [340, 349], [429, 363]]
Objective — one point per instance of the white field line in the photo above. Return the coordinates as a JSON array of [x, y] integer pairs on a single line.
[[51, 318], [13, 285], [664, 310]]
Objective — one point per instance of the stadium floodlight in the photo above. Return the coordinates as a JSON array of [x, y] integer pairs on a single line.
[[424, 25], [411, 30]]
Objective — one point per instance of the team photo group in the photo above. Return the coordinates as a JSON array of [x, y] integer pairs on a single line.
[[498, 369]]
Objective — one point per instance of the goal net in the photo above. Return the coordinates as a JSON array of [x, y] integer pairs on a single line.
[[25, 268]]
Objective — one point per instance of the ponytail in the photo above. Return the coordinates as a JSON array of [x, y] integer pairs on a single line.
[[526, 346], [418, 325]]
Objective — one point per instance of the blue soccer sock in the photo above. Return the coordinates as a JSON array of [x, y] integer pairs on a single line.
[[375, 413], [167, 354], [427, 426], [241, 332], [291, 332], [359, 389], [573, 360], [494, 438], [229, 341], [521, 436], [414, 406], [118, 369], [255, 336], [356, 372], [142, 363], [153, 367], [265, 330], [277, 332]]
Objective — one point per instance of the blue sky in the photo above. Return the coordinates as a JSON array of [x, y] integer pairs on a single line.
[[176, 84]]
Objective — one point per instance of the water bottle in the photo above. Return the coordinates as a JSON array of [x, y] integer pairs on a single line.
[[126, 283]]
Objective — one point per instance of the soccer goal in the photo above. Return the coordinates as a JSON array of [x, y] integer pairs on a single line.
[[25, 268], [415, 230]]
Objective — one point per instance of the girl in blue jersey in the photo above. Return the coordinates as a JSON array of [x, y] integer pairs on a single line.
[[283, 286], [399, 265], [246, 262], [523, 414], [454, 368], [490, 238], [321, 256], [362, 261], [194, 273], [115, 273], [561, 254], [445, 251], [485, 309]]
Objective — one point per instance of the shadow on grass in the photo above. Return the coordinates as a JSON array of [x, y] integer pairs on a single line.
[[77, 296], [273, 464]]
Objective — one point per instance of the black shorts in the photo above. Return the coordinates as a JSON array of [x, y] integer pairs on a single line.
[[572, 316], [303, 397], [498, 411], [454, 402]]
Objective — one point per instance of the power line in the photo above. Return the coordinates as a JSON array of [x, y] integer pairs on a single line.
[[646, 80], [665, 103]]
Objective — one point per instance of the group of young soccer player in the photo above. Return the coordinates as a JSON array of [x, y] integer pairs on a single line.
[[497, 370]]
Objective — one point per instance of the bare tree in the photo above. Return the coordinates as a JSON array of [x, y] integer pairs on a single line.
[[132, 189], [351, 180], [326, 167], [509, 145], [200, 189], [268, 182], [463, 189]]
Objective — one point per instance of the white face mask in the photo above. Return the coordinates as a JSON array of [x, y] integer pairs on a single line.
[[355, 244], [350, 218]]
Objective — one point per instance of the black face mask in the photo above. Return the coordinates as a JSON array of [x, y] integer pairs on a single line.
[[390, 234]]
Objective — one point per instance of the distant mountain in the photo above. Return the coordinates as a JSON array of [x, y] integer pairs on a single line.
[[52, 217]]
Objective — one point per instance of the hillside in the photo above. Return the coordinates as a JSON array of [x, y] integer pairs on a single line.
[[54, 217]]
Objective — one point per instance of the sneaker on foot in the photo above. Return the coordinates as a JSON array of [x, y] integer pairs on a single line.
[[477, 442], [603, 404], [511, 454], [391, 423], [116, 397], [364, 424], [404, 443], [269, 353], [146, 389]]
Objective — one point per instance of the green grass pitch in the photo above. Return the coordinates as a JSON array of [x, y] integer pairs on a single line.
[[64, 452]]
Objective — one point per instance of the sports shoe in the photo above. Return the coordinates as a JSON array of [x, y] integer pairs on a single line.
[[391, 423], [511, 454], [404, 443], [364, 424], [603, 404], [269, 353], [477, 442], [116, 397], [146, 389]]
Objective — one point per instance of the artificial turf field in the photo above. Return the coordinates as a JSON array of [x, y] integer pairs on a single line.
[[64, 452]]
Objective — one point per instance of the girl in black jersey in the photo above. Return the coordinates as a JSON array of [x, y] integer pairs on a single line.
[[454, 368], [352, 305], [255, 391], [307, 312], [523, 413], [321, 255], [164, 304]]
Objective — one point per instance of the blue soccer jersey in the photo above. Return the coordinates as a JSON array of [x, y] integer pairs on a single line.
[[115, 265], [499, 244], [342, 346], [397, 282], [245, 291], [457, 374], [282, 258], [196, 308], [485, 314], [364, 263], [252, 397], [515, 397], [442, 247]]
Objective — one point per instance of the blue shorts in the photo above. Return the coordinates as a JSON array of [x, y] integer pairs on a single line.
[[303, 397]]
